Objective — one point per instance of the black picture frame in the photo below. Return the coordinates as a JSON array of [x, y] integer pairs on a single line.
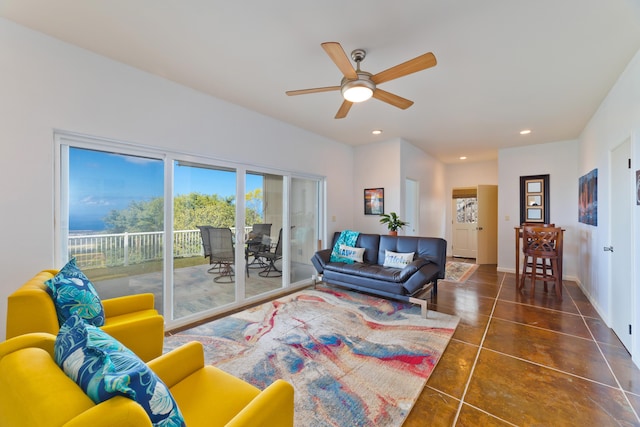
[[534, 199], [373, 201]]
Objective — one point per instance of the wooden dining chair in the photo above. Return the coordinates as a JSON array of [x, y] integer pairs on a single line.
[[542, 263], [542, 247]]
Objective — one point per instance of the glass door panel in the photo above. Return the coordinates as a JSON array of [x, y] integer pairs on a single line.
[[114, 205], [304, 210], [264, 245], [204, 264]]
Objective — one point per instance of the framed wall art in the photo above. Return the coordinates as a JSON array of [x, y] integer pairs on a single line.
[[534, 199], [373, 201], [588, 198]]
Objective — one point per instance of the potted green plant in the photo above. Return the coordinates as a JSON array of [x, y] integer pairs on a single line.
[[393, 221]]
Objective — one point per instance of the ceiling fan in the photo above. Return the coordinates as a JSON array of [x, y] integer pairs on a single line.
[[358, 85]]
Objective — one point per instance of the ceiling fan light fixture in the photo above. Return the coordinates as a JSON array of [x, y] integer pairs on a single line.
[[358, 90]]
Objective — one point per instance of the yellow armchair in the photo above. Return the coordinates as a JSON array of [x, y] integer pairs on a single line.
[[34, 391], [131, 319], [208, 396]]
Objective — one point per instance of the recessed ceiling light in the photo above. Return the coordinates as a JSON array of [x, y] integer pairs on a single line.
[[525, 132], [376, 132], [463, 157]]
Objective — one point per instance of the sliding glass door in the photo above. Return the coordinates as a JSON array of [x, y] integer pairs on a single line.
[[265, 238], [204, 234], [304, 211]]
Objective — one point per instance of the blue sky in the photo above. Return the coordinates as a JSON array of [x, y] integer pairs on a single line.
[[100, 182]]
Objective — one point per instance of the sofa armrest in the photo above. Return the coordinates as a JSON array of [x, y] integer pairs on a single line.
[[272, 407], [127, 304], [118, 411], [325, 255], [418, 263], [143, 333], [320, 259], [30, 308], [41, 340], [174, 366]]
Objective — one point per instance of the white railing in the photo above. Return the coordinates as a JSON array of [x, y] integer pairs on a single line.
[[110, 250]]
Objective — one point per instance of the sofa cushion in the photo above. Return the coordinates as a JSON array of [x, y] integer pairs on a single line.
[[73, 293], [397, 260], [378, 272], [104, 368]]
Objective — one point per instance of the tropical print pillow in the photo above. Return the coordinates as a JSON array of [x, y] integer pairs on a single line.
[[105, 368], [73, 293]]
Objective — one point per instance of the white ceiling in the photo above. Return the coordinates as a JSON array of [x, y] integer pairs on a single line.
[[503, 65]]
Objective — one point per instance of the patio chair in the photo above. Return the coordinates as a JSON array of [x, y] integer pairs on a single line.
[[270, 258], [259, 241], [222, 253], [216, 264], [206, 246]]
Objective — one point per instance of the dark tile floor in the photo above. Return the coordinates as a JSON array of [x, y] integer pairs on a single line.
[[521, 360]]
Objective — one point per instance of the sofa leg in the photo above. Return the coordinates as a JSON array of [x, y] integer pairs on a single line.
[[422, 303]]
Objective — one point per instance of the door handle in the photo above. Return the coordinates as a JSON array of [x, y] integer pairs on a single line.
[[608, 248], [479, 228]]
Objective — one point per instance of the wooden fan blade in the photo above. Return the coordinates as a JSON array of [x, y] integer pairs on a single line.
[[420, 63], [314, 90], [344, 109], [340, 58], [390, 98]]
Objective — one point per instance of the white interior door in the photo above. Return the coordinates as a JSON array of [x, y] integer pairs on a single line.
[[465, 222], [621, 197], [411, 201]]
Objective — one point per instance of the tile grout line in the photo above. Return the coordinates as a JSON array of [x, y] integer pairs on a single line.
[[543, 329], [480, 346], [470, 405], [551, 368], [615, 377]]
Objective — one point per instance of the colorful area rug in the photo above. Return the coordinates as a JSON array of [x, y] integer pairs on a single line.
[[353, 360], [459, 271]]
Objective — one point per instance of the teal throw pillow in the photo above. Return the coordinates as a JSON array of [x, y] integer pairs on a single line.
[[73, 293], [105, 368]]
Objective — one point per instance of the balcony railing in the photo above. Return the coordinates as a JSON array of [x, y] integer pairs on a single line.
[[111, 250]]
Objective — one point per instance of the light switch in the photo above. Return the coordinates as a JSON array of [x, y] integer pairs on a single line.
[[506, 218]]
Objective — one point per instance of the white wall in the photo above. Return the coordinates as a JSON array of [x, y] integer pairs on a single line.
[[463, 175], [47, 84], [560, 161], [387, 165], [430, 175], [376, 165], [617, 119]]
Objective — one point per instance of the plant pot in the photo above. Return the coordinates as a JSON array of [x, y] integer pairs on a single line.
[[393, 233]]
